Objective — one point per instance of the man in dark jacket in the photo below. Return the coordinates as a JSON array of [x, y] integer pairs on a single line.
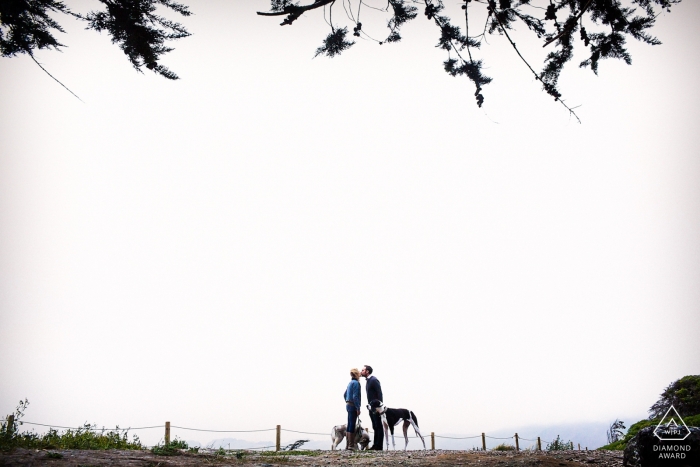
[[374, 392]]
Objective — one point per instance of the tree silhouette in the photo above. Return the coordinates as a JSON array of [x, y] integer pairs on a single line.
[[683, 394], [601, 26], [615, 432], [26, 25], [554, 22]]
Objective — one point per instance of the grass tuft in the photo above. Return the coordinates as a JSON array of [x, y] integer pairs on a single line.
[[559, 445], [504, 447], [173, 448], [86, 437]]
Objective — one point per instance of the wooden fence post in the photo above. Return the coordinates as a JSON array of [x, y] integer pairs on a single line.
[[579, 446], [432, 440], [10, 424], [483, 441], [277, 442], [539, 444], [517, 444], [167, 433]]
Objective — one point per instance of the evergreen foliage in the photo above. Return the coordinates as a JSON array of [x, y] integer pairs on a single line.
[[141, 33], [621, 443], [615, 432], [25, 25], [554, 22], [335, 43], [683, 394], [603, 28]]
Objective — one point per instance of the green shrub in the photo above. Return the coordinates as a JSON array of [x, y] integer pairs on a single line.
[[171, 449], [620, 445], [692, 421], [682, 394], [559, 445], [504, 447], [85, 437]]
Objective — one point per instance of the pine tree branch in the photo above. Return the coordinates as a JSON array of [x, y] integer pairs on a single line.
[[296, 9], [537, 77], [568, 29], [53, 77], [466, 30]]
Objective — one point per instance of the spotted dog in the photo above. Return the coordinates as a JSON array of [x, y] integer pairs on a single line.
[[338, 435], [391, 418]]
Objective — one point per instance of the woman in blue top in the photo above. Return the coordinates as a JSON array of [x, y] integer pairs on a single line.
[[353, 400]]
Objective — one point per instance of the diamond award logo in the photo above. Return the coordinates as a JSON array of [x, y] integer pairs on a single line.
[[671, 427]]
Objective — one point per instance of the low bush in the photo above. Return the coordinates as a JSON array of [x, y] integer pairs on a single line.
[[559, 445], [86, 437], [621, 444], [172, 448], [504, 447]]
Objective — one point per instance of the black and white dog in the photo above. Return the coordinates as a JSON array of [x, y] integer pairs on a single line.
[[391, 418]]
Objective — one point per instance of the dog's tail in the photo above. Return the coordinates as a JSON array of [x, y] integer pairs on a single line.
[[413, 416]]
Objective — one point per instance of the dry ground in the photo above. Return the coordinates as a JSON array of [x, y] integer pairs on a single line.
[[76, 458]]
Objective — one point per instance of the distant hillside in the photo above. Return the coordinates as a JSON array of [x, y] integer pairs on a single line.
[[634, 429]]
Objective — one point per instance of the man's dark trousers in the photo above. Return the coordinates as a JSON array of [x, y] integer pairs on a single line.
[[378, 444], [374, 392]]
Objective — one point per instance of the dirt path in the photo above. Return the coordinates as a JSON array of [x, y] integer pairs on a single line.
[[76, 458]]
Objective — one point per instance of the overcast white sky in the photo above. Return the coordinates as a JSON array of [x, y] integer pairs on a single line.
[[219, 251]]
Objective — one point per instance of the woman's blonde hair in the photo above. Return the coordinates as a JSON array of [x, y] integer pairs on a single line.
[[355, 373]]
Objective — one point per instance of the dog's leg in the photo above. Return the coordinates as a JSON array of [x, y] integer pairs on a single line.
[[339, 439], [415, 428], [393, 443], [406, 423], [337, 435], [386, 430]]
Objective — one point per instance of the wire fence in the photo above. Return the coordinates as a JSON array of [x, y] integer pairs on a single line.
[[222, 431], [538, 443], [304, 432], [92, 428]]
